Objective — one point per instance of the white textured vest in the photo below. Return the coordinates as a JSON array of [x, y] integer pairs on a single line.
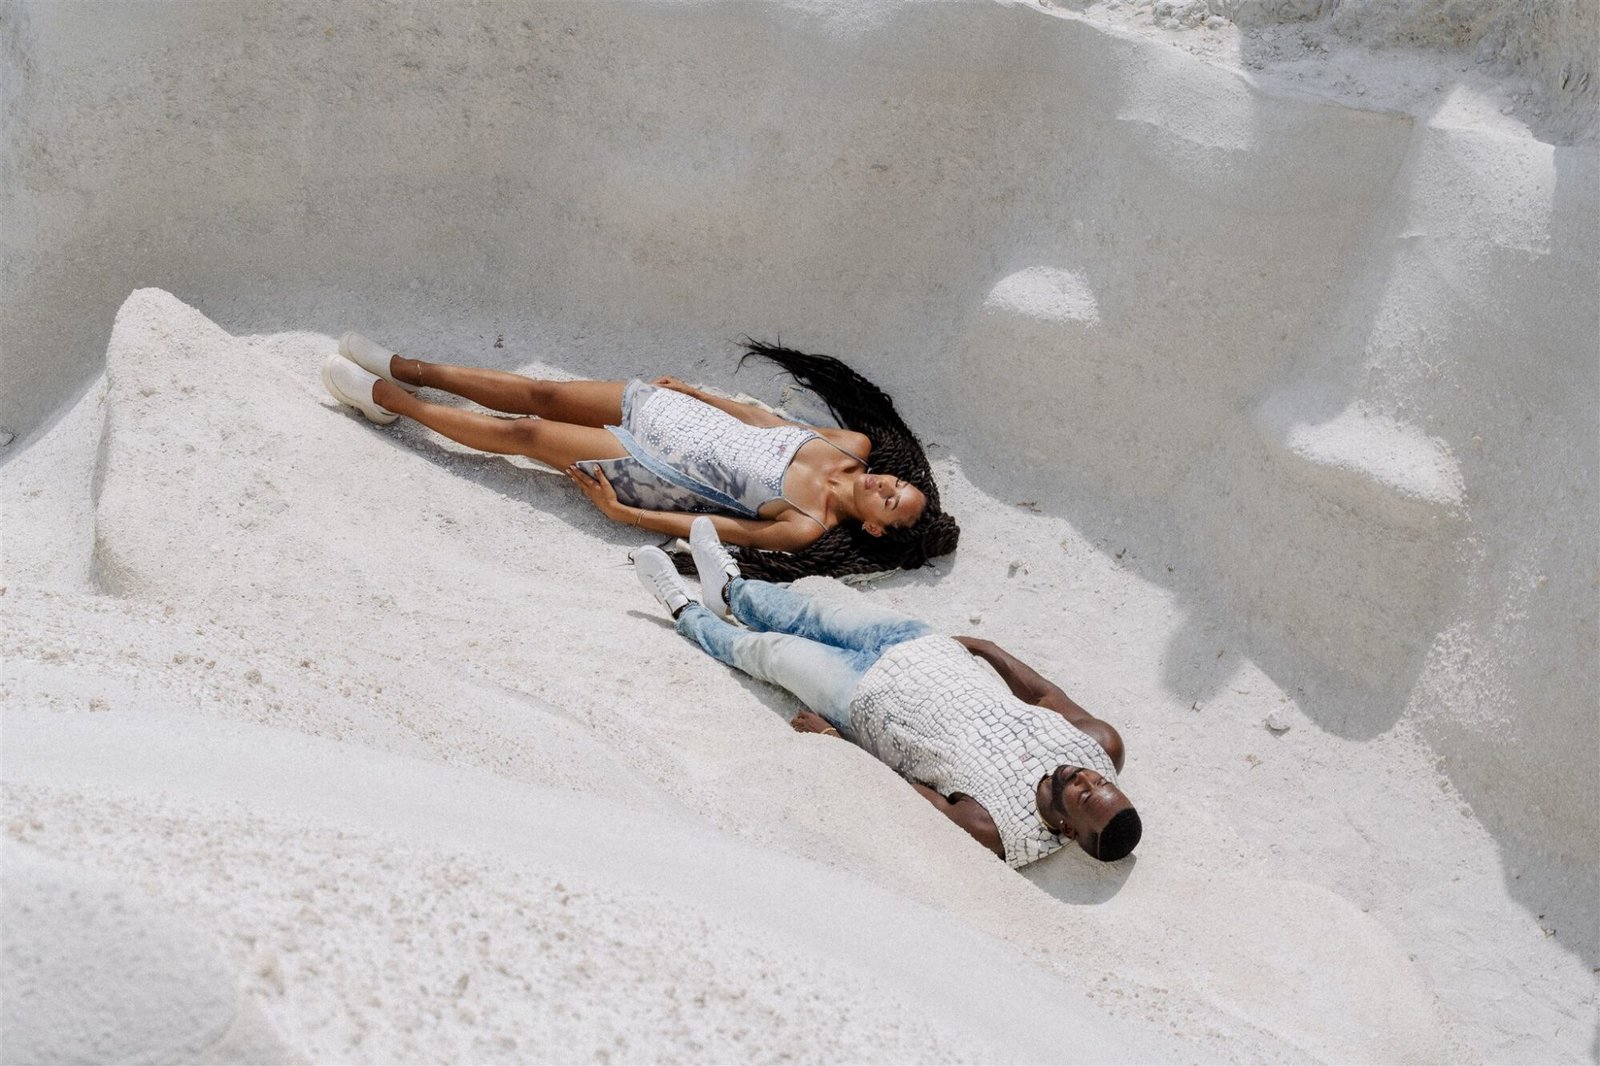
[[935, 714]]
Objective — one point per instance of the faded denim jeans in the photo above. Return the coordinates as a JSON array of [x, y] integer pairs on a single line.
[[817, 649]]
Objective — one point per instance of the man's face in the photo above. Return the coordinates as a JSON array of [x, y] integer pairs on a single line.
[[1077, 803]]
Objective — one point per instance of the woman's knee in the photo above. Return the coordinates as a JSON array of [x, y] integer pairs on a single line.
[[539, 396], [527, 434]]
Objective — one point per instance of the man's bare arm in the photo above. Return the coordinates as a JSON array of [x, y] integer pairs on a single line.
[[1028, 685], [965, 811], [1025, 683], [969, 814]]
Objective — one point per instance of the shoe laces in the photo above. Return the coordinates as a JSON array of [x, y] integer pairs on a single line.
[[666, 582]]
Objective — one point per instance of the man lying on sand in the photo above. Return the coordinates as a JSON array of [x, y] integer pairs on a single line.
[[1023, 772]]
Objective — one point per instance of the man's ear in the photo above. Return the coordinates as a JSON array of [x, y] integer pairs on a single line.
[[873, 528], [1069, 831]]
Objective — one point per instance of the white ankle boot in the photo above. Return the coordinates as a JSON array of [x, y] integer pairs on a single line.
[[370, 356], [352, 386]]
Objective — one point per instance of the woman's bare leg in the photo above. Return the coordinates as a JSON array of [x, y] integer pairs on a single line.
[[581, 403], [560, 444]]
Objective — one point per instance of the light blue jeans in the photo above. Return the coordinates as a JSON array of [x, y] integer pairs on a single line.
[[817, 649]]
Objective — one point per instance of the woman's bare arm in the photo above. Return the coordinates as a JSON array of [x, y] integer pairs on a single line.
[[788, 532], [748, 413], [858, 444], [778, 534]]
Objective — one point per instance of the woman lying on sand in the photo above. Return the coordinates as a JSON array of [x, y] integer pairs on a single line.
[[797, 499]]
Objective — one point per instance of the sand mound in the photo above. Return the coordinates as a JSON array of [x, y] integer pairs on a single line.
[[94, 972], [232, 725]]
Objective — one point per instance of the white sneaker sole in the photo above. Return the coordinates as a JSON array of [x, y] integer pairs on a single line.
[[372, 411]]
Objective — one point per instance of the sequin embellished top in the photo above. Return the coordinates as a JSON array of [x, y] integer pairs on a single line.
[[686, 455]]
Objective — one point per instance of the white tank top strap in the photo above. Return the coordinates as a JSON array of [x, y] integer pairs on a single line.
[[837, 448], [840, 448], [805, 512]]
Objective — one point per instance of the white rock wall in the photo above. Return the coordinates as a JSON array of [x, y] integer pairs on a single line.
[[1339, 365]]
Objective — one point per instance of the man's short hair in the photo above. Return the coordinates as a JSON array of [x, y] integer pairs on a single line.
[[1119, 837]]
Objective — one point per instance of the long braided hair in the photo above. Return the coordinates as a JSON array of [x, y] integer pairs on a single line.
[[847, 548]]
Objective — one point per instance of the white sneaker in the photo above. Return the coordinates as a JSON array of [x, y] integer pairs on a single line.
[[352, 386], [370, 356], [714, 563], [660, 577]]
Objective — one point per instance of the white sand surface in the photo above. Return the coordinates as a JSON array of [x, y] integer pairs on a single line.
[[1268, 410]]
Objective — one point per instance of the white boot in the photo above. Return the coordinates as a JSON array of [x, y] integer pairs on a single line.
[[352, 386], [370, 356]]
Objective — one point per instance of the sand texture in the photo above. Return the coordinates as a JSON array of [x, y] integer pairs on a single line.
[[1263, 381]]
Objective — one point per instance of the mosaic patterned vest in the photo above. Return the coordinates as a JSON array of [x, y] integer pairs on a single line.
[[932, 711]]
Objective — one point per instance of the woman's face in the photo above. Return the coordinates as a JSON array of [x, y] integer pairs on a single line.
[[883, 501]]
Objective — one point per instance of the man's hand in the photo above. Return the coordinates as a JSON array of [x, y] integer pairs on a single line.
[[1023, 681], [1028, 686], [811, 722]]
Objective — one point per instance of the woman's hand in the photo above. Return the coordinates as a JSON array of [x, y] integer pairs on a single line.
[[676, 386], [601, 494], [811, 722]]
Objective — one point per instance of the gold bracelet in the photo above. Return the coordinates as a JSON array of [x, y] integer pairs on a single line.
[[832, 730]]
